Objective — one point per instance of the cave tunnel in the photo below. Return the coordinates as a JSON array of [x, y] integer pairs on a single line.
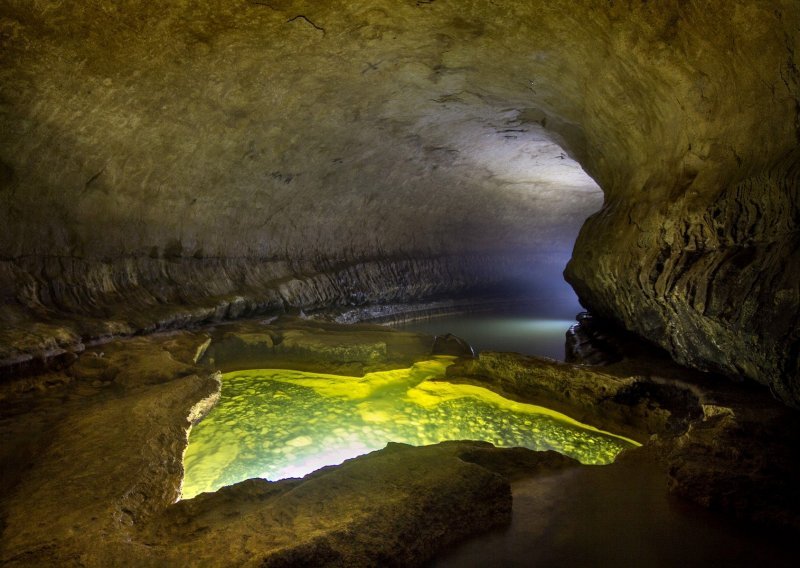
[[195, 189]]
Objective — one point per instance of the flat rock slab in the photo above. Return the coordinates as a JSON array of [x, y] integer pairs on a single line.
[[311, 345], [394, 507]]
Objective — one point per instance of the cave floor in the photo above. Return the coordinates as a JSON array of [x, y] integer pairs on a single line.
[[91, 465]]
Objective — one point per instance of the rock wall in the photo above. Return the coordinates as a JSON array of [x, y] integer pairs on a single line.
[[698, 252], [716, 284], [188, 134], [77, 300]]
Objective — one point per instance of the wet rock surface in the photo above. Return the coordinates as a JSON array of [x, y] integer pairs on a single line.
[[630, 404], [397, 506], [303, 344], [449, 344], [93, 467], [741, 458], [590, 343], [94, 461], [731, 448]]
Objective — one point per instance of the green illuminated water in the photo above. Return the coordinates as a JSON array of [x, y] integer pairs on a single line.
[[279, 423]]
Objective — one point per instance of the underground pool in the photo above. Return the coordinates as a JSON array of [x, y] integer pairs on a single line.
[[276, 423]]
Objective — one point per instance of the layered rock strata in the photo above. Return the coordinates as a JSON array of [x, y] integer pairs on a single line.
[[71, 302], [711, 279], [297, 130], [696, 246]]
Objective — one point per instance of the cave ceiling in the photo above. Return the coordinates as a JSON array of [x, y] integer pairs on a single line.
[[261, 130]]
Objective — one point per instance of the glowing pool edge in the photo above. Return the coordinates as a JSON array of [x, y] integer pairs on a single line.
[[421, 386]]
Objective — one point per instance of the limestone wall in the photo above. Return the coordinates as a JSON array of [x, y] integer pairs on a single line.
[[141, 137]]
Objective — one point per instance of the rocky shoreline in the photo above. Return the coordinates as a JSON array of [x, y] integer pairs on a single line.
[[46, 324], [95, 468]]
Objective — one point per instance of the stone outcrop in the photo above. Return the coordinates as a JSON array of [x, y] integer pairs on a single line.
[[696, 247], [727, 447], [712, 278], [164, 163]]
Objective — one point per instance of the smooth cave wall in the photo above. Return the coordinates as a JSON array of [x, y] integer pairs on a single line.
[[163, 163]]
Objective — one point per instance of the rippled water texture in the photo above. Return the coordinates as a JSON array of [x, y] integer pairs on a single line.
[[276, 424]]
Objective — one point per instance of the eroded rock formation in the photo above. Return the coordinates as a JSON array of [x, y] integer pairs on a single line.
[[164, 163], [696, 246]]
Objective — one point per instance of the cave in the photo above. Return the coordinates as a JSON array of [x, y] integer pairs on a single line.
[[193, 191]]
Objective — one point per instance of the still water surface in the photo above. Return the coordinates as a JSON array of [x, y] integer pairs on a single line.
[[533, 327], [500, 332]]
